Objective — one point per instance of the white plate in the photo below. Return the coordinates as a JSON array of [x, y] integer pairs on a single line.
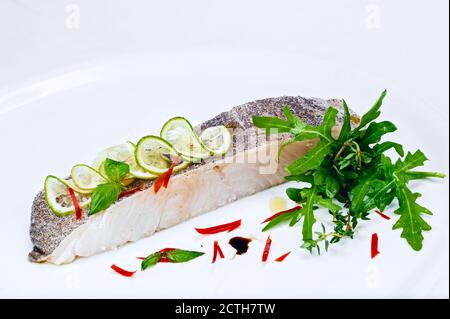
[[49, 124]]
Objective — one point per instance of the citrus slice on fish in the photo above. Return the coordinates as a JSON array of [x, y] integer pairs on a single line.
[[181, 135], [58, 197], [217, 139], [86, 178], [155, 155], [123, 153]]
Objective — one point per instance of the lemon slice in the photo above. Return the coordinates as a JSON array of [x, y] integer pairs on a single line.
[[155, 155], [86, 178], [122, 153], [217, 139], [181, 135], [58, 197]]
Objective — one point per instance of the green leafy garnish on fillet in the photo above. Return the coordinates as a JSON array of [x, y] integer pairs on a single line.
[[350, 175]]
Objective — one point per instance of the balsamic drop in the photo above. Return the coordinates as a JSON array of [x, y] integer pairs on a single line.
[[240, 244]]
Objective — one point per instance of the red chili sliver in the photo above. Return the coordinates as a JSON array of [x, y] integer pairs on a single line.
[[281, 213], [382, 215], [129, 192], [266, 249], [217, 250], [168, 174], [159, 182], [163, 179], [78, 211], [220, 228], [122, 271], [282, 257], [165, 250], [164, 258], [374, 245]]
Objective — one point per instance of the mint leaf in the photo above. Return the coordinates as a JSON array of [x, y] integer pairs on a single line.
[[115, 170], [181, 256], [104, 196]]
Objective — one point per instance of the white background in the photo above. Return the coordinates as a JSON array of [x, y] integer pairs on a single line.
[[349, 49]]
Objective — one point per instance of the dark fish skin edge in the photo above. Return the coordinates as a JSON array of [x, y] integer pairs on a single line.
[[48, 230]]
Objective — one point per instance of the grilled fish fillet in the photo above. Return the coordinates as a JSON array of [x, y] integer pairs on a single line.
[[247, 168]]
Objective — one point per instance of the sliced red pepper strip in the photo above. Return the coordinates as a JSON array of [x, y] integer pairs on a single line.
[[293, 209], [122, 271], [163, 259], [78, 210], [168, 174], [159, 182], [282, 257], [129, 192], [374, 245], [217, 250], [382, 215], [163, 179], [165, 250], [220, 228], [266, 251]]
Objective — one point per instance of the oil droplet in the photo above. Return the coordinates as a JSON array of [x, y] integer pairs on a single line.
[[277, 204]]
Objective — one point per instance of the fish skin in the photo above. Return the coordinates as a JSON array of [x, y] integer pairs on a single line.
[[48, 231]]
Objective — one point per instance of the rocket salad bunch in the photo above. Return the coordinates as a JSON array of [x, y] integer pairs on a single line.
[[350, 175]]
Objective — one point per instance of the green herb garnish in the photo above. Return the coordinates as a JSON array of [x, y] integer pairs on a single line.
[[172, 255], [350, 176], [106, 194]]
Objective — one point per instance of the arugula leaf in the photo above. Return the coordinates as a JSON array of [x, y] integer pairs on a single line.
[[383, 147], [376, 130], [351, 170], [308, 213], [294, 194], [279, 219], [115, 170], [373, 113], [413, 175], [312, 159], [410, 219], [104, 196], [346, 125], [412, 160], [331, 186]]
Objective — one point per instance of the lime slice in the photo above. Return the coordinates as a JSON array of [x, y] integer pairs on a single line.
[[217, 139], [86, 178], [123, 153], [58, 197], [155, 155], [71, 184], [181, 135]]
